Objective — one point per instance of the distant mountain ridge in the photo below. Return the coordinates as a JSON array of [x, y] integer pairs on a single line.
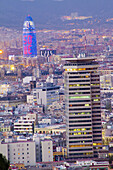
[[47, 13]]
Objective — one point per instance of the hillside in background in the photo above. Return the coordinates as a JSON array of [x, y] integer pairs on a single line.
[[48, 13]]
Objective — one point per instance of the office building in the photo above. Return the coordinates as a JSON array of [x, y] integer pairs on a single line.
[[82, 106], [29, 43], [46, 94]]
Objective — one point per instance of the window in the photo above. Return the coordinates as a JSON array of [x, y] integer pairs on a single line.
[[76, 97]]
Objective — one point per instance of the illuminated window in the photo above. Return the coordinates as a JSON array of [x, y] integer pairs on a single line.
[[94, 144], [81, 97], [96, 100], [72, 146], [86, 104]]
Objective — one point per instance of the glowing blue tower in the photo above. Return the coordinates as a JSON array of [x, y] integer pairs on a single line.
[[29, 38]]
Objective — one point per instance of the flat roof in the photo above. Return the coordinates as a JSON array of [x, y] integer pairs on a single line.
[[79, 59]]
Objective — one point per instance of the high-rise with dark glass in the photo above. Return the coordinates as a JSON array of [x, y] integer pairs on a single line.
[[82, 104]]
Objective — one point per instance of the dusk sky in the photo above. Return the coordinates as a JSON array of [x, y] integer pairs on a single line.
[[49, 12]]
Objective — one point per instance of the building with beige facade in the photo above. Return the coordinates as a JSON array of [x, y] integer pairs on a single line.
[[21, 151]]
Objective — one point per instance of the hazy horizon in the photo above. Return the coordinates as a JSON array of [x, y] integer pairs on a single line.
[[48, 13]]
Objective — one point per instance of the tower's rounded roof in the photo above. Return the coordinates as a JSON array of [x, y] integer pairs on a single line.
[[28, 18], [28, 23]]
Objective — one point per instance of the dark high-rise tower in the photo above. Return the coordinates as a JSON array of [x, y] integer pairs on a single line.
[[29, 38], [82, 103]]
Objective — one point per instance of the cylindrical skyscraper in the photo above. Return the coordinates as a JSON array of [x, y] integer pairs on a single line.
[[29, 38]]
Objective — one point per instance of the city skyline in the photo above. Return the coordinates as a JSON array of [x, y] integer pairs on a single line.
[[56, 84]]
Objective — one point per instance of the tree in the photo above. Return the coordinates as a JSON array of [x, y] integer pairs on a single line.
[[4, 163]]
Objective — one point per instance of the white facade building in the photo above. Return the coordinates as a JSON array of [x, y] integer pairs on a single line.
[[24, 125], [46, 95], [47, 150], [30, 99], [19, 152]]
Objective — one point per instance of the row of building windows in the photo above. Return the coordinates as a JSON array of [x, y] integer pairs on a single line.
[[95, 144], [82, 64], [81, 129], [96, 84], [79, 93], [80, 113], [95, 116], [95, 75], [22, 153], [74, 101], [98, 120], [96, 123], [97, 136], [95, 79], [82, 137], [74, 105], [95, 88], [73, 146], [97, 128], [87, 141], [82, 69], [80, 125], [96, 131], [80, 97], [87, 76], [70, 109], [96, 111], [97, 140], [88, 153], [75, 69], [76, 121], [81, 133], [95, 100], [74, 85], [97, 107], [87, 149], [77, 73], [95, 95], [77, 117], [77, 89], [83, 80]]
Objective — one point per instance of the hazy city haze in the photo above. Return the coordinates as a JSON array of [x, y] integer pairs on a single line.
[[49, 12]]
